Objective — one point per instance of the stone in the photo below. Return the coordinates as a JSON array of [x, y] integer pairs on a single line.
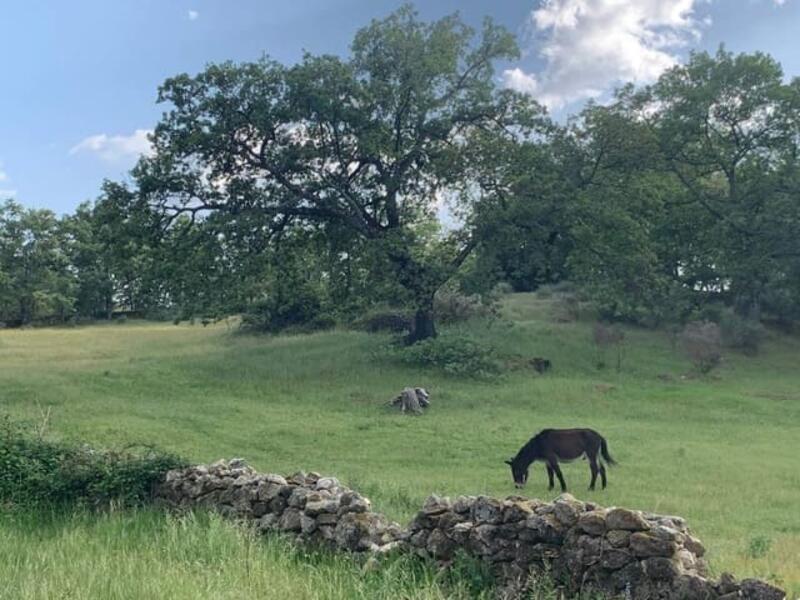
[[659, 567], [615, 558], [237, 463], [307, 524], [463, 504], [593, 522], [290, 520], [277, 505], [693, 545], [327, 483], [298, 497], [514, 510], [618, 538], [629, 520], [727, 584], [327, 519], [439, 545], [644, 545], [694, 587], [316, 506], [754, 589], [460, 531], [435, 505], [567, 510], [547, 529], [487, 510]]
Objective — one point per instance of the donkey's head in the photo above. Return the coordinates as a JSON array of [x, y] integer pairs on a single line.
[[518, 472]]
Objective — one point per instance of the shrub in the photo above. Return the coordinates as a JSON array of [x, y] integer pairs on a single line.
[[384, 319], [455, 355], [740, 333], [607, 336], [302, 310], [452, 306], [702, 342], [36, 472]]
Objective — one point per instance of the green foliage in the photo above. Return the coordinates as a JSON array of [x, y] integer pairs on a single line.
[[36, 472], [450, 305], [455, 355], [388, 319], [741, 333]]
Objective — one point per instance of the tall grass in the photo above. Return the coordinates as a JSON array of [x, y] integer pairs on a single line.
[[719, 450], [149, 554]]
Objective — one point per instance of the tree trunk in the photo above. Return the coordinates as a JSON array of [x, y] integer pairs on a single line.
[[424, 325]]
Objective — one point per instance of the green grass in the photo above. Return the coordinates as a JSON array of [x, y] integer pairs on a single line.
[[721, 451]]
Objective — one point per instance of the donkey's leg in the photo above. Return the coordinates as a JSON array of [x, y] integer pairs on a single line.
[[554, 465], [550, 477], [603, 475], [594, 468]]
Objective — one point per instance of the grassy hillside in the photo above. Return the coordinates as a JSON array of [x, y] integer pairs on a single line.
[[720, 451]]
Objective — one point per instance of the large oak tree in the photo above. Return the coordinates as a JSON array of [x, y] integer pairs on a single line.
[[373, 143]]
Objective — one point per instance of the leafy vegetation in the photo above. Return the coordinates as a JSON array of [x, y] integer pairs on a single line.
[[692, 446], [38, 473]]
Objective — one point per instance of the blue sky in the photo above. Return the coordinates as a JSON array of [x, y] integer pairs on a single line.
[[78, 79]]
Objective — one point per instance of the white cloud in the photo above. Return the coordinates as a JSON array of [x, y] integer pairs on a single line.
[[589, 46], [193, 15], [117, 148], [5, 194]]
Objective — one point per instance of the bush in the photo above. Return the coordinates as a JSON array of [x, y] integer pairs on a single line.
[[455, 355], [608, 336], [385, 319], [302, 310], [35, 472], [702, 342], [740, 333], [451, 306]]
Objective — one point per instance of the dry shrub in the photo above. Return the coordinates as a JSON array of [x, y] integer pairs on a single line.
[[702, 342]]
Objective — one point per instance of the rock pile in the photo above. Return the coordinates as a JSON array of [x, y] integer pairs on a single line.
[[614, 551], [309, 505]]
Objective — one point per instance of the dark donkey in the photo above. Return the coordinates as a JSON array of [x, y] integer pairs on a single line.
[[552, 445]]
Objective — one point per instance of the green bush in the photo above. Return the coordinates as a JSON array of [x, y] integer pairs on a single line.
[[384, 319], [36, 472], [455, 355], [302, 310], [740, 333]]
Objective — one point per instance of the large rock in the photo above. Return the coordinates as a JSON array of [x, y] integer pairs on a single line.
[[629, 520], [645, 544]]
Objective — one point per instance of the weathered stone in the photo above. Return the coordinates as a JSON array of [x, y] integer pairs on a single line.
[[463, 504], [593, 522], [567, 509], [618, 538], [277, 505], [460, 531], [693, 545], [727, 584], [487, 510], [615, 558], [659, 567], [321, 505], [267, 522], [327, 483], [298, 497], [754, 589], [290, 520], [514, 510], [629, 520], [589, 549], [547, 529], [439, 545], [435, 505], [307, 524], [644, 544], [693, 587], [327, 519]]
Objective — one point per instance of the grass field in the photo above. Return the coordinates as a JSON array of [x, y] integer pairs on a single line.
[[721, 451]]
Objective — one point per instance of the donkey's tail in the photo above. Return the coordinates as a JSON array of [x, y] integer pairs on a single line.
[[605, 453]]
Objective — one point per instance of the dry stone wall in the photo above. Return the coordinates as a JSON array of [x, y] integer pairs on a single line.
[[585, 547]]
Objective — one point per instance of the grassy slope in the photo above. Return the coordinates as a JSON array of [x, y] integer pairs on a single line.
[[721, 452]]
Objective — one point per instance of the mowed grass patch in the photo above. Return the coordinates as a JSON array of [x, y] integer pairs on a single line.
[[718, 450]]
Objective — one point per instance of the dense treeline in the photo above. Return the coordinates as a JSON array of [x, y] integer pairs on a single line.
[[308, 193]]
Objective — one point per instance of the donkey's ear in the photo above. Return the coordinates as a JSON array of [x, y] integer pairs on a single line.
[[508, 462]]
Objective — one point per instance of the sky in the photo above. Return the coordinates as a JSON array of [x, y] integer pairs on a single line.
[[79, 78]]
